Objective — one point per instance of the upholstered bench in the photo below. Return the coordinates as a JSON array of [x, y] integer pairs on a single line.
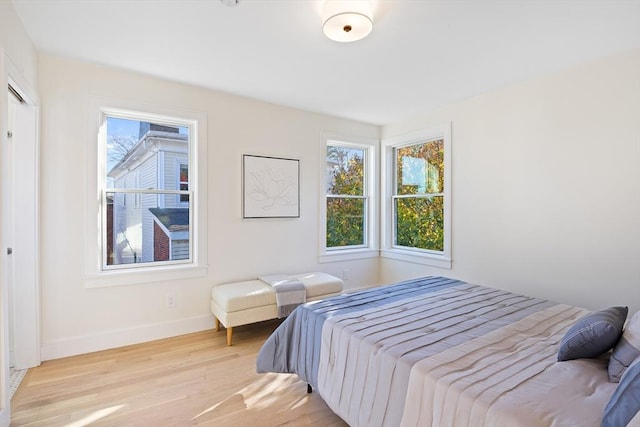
[[241, 303]]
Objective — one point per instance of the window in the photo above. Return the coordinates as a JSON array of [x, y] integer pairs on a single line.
[[346, 199], [142, 226], [417, 220], [418, 208], [348, 204], [146, 181]]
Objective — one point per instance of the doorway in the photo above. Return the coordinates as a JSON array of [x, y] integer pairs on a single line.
[[20, 230]]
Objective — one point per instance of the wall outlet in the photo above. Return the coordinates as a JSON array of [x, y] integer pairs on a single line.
[[345, 274], [170, 300]]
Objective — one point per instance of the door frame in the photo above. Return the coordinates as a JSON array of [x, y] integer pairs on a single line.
[[24, 262]]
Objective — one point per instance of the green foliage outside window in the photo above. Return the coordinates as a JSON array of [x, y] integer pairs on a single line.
[[346, 204], [419, 200]]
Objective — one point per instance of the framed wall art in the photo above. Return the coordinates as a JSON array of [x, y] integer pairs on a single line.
[[270, 187]]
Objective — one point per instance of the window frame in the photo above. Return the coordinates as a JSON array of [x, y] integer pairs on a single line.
[[98, 273], [390, 250], [370, 190]]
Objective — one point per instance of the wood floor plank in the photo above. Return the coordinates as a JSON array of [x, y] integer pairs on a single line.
[[194, 379]]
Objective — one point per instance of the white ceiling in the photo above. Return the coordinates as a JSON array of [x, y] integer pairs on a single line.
[[421, 54]]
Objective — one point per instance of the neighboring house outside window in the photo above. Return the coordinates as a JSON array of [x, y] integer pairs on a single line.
[[417, 214], [348, 204], [150, 195]]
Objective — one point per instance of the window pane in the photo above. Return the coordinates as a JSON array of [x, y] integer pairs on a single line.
[[420, 168], [345, 170], [138, 231], [345, 221], [420, 222], [143, 155]]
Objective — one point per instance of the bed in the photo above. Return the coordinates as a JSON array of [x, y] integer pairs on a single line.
[[436, 351]]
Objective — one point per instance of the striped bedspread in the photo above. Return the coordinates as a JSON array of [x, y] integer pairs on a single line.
[[440, 352]]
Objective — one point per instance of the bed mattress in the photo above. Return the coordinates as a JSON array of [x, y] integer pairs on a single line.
[[437, 351]]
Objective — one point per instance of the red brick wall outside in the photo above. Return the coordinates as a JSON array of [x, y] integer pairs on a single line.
[[160, 244]]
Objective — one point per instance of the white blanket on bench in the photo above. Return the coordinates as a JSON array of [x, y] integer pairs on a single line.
[[290, 292]]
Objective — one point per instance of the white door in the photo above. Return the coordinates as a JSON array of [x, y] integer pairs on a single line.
[[21, 234], [7, 193]]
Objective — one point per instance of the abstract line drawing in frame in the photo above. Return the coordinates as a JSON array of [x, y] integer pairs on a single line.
[[270, 187]]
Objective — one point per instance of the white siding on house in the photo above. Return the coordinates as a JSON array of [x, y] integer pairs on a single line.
[[148, 179], [172, 162], [130, 221], [180, 249], [126, 222]]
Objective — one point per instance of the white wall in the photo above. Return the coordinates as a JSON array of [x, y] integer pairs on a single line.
[[76, 318], [546, 186], [18, 48]]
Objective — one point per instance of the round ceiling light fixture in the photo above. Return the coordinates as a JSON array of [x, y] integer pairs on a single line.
[[347, 20]]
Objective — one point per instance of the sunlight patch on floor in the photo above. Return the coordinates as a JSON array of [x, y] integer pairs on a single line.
[[95, 416], [279, 390], [273, 388]]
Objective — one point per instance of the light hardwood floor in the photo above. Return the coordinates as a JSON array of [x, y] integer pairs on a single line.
[[193, 379]]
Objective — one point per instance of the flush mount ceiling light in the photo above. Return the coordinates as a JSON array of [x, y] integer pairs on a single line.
[[347, 20]]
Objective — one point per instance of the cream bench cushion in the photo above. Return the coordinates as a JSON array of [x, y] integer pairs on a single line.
[[319, 285], [241, 303]]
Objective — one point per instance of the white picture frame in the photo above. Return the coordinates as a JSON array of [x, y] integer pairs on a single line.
[[270, 187]]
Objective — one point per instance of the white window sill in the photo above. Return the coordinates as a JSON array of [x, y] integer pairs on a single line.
[[348, 255], [144, 275], [439, 261]]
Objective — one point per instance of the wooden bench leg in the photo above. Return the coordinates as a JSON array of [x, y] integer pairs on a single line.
[[229, 335], [229, 330]]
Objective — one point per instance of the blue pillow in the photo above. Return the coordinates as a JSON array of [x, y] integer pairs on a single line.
[[593, 334], [625, 401]]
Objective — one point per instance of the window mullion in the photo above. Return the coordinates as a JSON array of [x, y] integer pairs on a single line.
[[345, 196], [418, 196], [144, 191]]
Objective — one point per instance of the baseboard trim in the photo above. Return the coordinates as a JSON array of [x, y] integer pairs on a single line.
[[118, 338]]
